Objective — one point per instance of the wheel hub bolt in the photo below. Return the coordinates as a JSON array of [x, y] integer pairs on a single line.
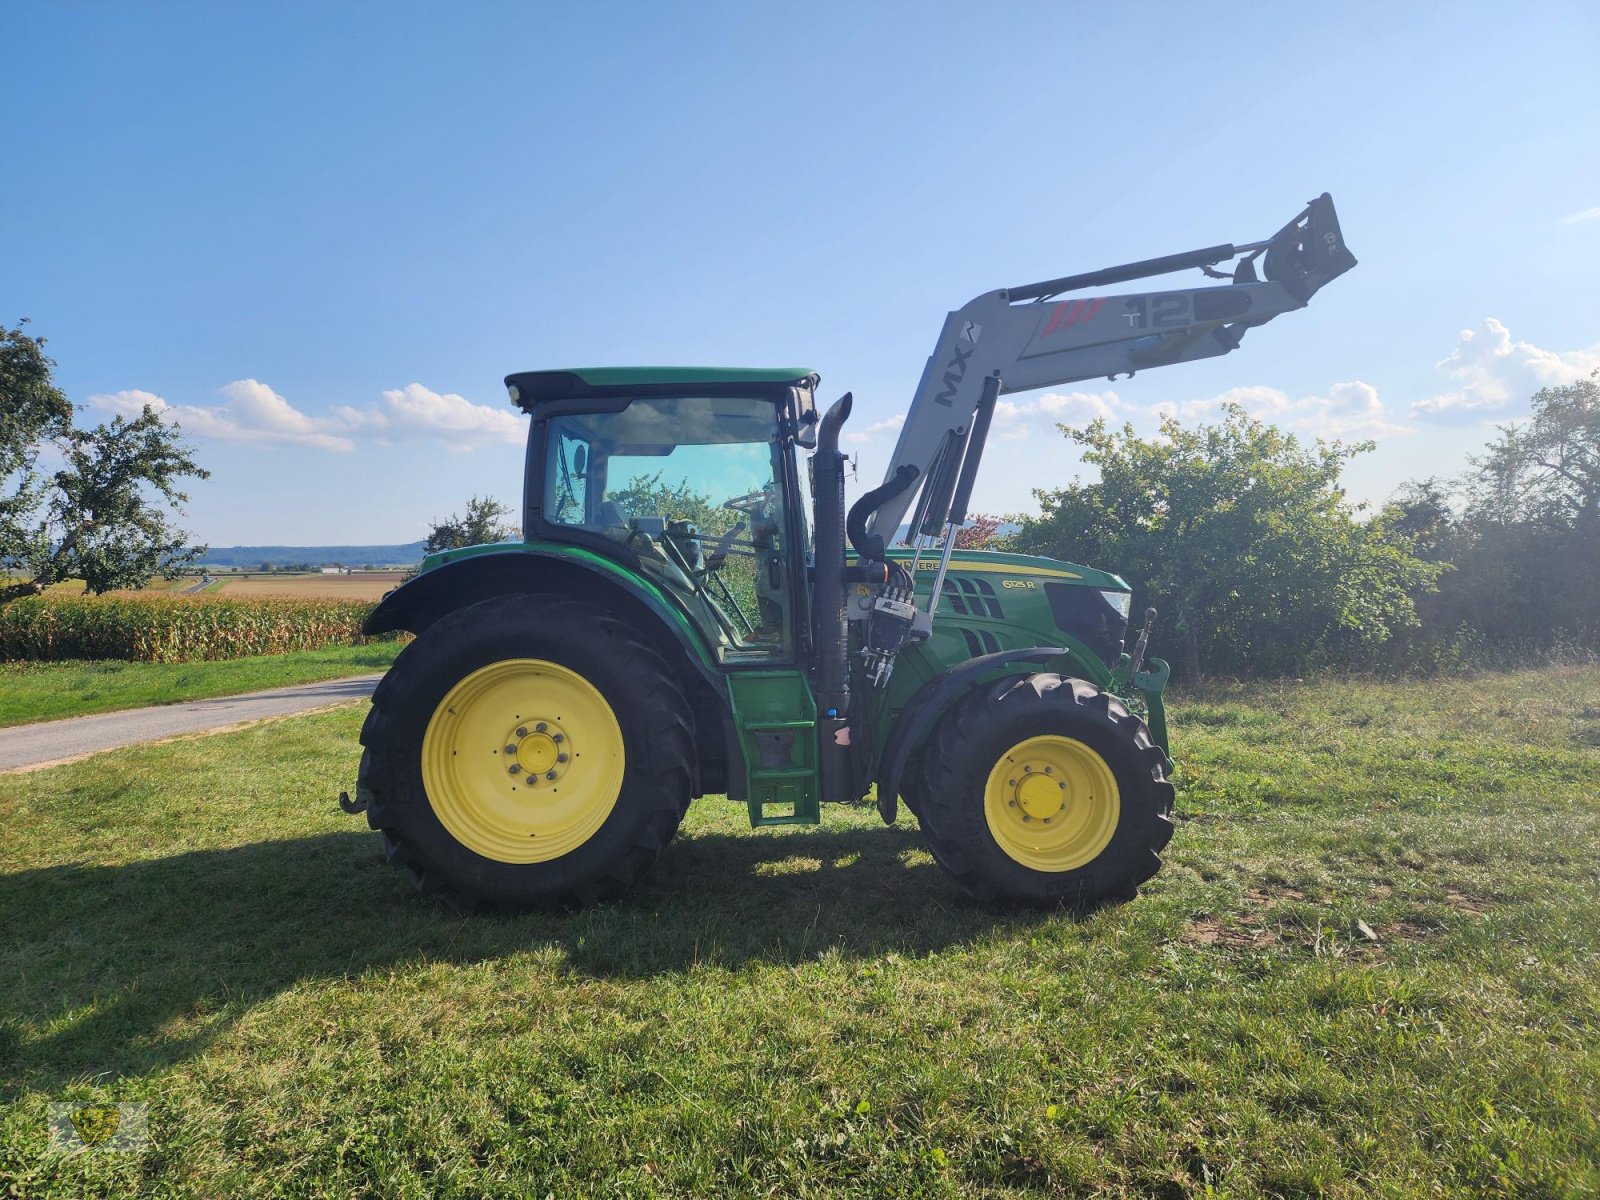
[[540, 727], [510, 749], [561, 758], [1049, 770], [557, 737], [522, 731], [515, 769], [549, 774]]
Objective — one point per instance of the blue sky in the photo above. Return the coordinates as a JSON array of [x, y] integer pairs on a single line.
[[321, 234]]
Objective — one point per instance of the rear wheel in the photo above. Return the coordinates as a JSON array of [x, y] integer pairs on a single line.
[[1045, 790], [525, 750]]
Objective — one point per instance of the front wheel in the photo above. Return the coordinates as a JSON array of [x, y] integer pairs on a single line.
[[1045, 790]]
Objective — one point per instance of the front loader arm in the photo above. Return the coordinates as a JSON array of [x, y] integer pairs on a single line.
[[1020, 339]]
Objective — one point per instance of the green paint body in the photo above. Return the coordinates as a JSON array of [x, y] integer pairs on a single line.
[[992, 602]]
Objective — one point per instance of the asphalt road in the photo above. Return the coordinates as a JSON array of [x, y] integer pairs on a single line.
[[25, 747]]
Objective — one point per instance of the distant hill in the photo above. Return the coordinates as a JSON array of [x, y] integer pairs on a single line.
[[251, 557]]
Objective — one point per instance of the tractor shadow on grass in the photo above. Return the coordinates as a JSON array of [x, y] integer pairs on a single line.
[[115, 970]]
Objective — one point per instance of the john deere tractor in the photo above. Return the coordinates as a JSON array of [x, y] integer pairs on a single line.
[[693, 610]]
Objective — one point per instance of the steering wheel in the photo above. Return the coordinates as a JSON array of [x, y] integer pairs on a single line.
[[750, 504]]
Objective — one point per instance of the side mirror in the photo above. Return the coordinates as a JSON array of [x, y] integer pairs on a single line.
[[802, 412], [806, 435], [580, 462]]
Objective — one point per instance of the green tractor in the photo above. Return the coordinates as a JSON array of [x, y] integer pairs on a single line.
[[694, 611]]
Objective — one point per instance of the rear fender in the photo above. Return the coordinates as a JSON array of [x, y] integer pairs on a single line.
[[419, 602]]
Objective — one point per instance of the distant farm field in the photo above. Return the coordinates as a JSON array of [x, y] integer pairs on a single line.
[[358, 585], [157, 586], [141, 627], [364, 585], [1370, 968]]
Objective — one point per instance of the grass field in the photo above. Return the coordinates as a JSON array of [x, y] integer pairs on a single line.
[[46, 691], [194, 925]]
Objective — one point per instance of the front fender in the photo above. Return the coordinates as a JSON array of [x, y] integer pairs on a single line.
[[929, 702]]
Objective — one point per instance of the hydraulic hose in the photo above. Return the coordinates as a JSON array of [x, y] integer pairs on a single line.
[[870, 502]]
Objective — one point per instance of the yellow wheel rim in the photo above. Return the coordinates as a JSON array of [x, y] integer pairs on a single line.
[[1051, 803], [523, 760]]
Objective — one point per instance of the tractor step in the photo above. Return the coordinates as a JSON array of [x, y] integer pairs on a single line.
[[792, 791], [777, 722]]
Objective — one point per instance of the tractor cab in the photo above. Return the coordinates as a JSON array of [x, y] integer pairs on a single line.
[[687, 475]]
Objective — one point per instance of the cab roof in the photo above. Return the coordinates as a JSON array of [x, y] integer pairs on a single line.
[[533, 387]]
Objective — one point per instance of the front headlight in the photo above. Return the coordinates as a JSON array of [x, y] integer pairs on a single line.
[[1121, 601]]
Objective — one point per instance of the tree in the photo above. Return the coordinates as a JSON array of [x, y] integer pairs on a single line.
[[103, 515], [1242, 535], [482, 523], [1524, 557], [981, 532], [1546, 470], [650, 495], [1420, 512], [33, 412]]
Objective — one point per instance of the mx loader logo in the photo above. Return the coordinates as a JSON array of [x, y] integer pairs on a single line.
[[956, 369]]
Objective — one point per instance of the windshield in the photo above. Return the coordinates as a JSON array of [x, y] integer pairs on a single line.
[[693, 486]]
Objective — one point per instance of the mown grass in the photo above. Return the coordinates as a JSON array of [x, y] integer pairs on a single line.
[[47, 691], [817, 1012]]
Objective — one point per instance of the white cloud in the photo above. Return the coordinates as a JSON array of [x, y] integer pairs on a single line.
[[1014, 420], [1078, 408], [1588, 214], [1266, 403], [1491, 370], [872, 432], [1346, 410], [129, 403], [252, 412], [416, 412]]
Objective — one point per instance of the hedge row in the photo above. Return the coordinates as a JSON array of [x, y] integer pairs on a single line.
[[172, 628]]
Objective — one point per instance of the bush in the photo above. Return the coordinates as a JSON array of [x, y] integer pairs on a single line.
[[172, 628], [1239, 534]]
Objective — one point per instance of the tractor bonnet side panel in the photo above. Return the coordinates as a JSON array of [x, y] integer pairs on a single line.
[[994, 609], [993, 603]]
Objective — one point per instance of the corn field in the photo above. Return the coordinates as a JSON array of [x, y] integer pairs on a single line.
[[172, 628]]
